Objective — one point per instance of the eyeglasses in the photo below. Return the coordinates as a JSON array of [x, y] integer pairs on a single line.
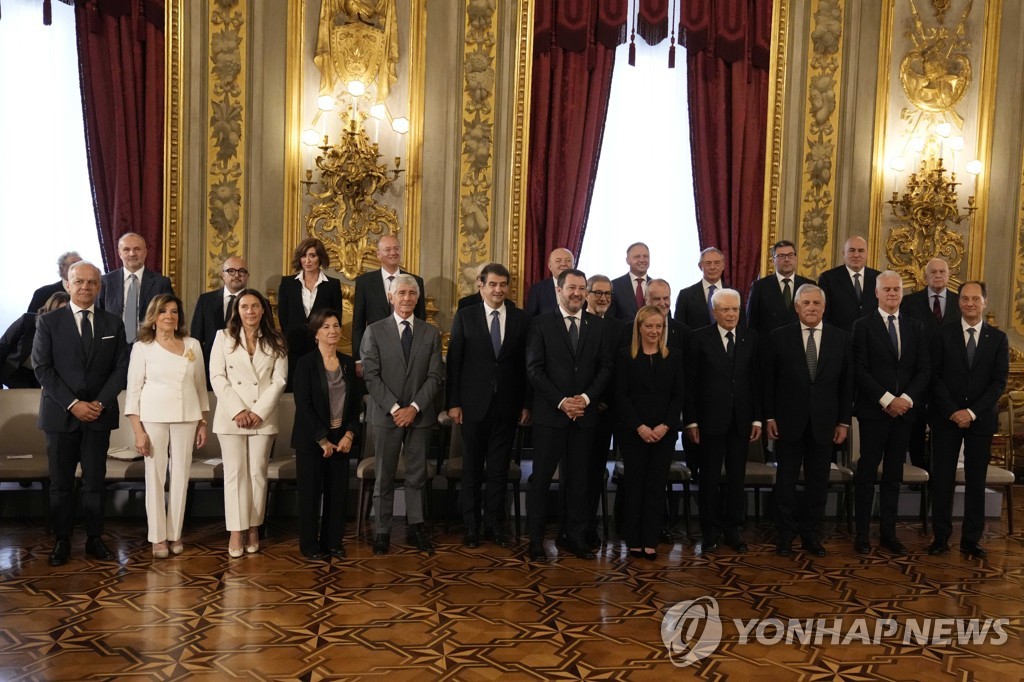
[[237, 271], [601, 294], [785, 256]]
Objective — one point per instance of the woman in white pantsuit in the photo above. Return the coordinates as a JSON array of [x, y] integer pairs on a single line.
[[248, 372], [167, 405]]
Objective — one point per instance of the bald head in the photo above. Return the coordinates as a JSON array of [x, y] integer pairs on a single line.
[[559, 261], [855, 253], [936, 275], [235, 274]]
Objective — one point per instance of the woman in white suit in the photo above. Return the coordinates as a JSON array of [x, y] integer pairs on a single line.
[[248, 372], [167, 404]]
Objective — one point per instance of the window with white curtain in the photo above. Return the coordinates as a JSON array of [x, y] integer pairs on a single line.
[[45, 195], [644, 185]]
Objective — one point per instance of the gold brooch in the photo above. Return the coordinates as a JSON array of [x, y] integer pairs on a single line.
[[190, 355]]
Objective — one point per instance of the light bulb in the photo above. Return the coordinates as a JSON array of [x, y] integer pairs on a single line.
[[400, 125], [975, 167], [917, 144], [943, 129], [379, 111], [957, 144], [898, 164], [310, 137], [325, 103], [356, 88]]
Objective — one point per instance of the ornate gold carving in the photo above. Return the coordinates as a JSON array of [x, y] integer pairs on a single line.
[[174, 150], [476, 169], [1017, 315], [776, 120], [940, 7], [936, 73], [520, 146], [294, 60], [225, 229], [357, 40], [414, 138], [923, 214], [989, 69]]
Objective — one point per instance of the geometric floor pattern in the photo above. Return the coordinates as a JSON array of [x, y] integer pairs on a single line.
[[484, 614]]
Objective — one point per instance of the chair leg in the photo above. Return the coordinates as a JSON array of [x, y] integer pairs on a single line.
[[686, 507], [515, 505], [45, 483], [452, 506], [359, 509], [604, 510], [924, 509], [1009, 507]]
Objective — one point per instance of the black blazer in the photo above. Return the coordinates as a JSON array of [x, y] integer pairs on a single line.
[[41, 295], [66, 374], [542, 298], [692, 307], [624, 297], [292, 315], [476, 378], [207, 320], [956, 386], [312, 400], [648, 390], [878, 370], [371, 304], [841, 305], [111, 296], [792, 399], [475, 299], [556, 372], [719, 390], [918, 306], [766, 310], [678, 335]]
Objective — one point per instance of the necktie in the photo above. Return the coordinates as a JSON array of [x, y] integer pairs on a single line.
[[730, 346], [893, 336], [406, 339], [227, 311], [387, 294], [811, 352], [857, 289], [787, 293], [936, 308], [496, 332], [131, 310], [574, 332], [711, 309], [640, 300], [972, 346], [86, 334]]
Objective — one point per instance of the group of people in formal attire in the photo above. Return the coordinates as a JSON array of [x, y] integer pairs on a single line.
[[586, 360]]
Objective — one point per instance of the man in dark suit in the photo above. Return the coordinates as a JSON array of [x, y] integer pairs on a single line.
[[487, 395], [848, 287], [659, 294], [372, 293], [403, 375], [693, 305], [933, 306], [629, 292], [808, 403], [770, 302], [970, 365], [542, 298], [128, 290], [214, 307], [891, 359], [41, 295], [569, 363], [81, 361], [722, 414]]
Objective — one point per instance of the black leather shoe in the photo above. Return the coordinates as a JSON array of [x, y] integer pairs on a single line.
[[561, 540], [783, 550], [862, 546], [974, 551], [650, 556], [502, 538], [61, 552], [738, 546], [636, 553], [814, 547], [938, 547], [591, 539], [471, 539], [315, 554], [666, 536], [894, 546], [337, 553], [97, 549], [381, 543], [579, 549], [418, 538], [536, 552], [708, 547]]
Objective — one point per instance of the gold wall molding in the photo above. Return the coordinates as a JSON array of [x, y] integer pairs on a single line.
[[476, 161], [818, 185], [174, 149], [978, 235], [411, 235], [293, 191], [776, 131], [227, 88], [519, 153], [885, 41]]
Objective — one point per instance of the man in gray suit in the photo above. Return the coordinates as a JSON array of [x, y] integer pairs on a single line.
[[401, 357]]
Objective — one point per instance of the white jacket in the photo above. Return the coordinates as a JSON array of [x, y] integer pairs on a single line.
[[164, 387], [241, 383]]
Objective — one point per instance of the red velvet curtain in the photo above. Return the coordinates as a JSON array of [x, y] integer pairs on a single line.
[[121, 54], [572, 77]]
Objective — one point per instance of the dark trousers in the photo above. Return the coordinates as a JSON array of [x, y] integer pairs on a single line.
[[720, 516], [881, 441], [486, 452], [65, 450], [597, 468], [791, 517], [571, 446], [946, 443], [321, 479], [645, 469], [918, 437]]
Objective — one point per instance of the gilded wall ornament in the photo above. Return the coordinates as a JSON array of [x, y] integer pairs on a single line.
[[357, 40], [936, 73]]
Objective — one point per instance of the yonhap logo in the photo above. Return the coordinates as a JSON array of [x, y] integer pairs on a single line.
[[691, 630]]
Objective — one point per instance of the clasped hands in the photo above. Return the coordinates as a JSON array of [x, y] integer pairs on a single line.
[[574, 407], [961, 418], [897, 407], [87, 411], [649, 435], [247, 419]]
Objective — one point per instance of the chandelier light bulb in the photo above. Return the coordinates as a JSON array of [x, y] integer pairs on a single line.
[[356, 88], [310, 137], [898, 164], [975, 167], [957, 144], [379, 111], [400, 125], [917, 144], [943, 129], [325, 103]]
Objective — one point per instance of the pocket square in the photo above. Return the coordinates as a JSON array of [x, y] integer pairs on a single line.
[[106, 337]]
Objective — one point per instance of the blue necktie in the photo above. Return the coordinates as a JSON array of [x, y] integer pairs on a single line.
[[406, 339], [893, 336], [496, 332], [711, 308]]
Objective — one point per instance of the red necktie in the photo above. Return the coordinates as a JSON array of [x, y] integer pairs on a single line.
[[937, 309], [640, 300]]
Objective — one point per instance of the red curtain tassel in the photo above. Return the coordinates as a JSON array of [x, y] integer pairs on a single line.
[[632, 54], [47, 13], [672, 56]]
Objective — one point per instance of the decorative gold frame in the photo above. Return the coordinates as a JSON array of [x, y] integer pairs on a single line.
[[519, 157], [174, 150], [776, 131]]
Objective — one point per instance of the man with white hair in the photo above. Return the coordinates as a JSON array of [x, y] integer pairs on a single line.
[[41, 295]]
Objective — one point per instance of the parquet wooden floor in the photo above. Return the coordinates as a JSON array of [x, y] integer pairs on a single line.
[[486, 613]]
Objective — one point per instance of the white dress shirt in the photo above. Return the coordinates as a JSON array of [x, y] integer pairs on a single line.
[[889, 397], [309, 296], [501, 318]]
